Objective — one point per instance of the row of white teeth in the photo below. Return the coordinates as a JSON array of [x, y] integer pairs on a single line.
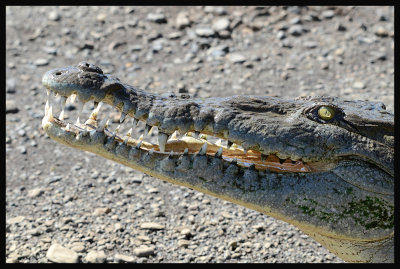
[[162, 137]]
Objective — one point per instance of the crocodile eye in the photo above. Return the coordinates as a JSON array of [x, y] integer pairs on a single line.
[[326, 112]]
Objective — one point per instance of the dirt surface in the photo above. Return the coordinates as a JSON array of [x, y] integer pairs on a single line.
[[67, 205]]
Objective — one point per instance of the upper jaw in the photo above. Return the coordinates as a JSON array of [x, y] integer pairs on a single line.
[[280, 130]]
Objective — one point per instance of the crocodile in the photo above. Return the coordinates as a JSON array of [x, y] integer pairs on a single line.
[[322, 164]]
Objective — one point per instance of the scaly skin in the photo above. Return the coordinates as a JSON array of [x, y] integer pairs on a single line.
[[322, 164]]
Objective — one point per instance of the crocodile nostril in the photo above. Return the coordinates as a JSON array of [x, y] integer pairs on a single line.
[[58, 73]]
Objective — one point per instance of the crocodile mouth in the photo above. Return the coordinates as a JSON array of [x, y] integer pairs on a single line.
[[190, 143]]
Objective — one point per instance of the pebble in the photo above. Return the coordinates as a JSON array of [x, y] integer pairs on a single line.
[[11, 107], [11, 84], [359, 85], [156, 17], [221, 24], [280, 35], [381, 32], [35, 192], [182, 20], [96, 257], [59, 254], [328, 14], [295, 30], [144, 251], [152, 226], [236, 58], [41, 62], [101, 211], [15, 220], [310, 44], [123, 258], [204, 32], [54, 16]]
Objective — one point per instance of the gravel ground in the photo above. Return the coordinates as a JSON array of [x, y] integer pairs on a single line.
[[65, 205]]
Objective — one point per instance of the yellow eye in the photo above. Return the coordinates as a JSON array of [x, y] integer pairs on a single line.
[[326, 112]]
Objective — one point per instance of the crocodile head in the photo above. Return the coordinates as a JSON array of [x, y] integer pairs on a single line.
[[322, 164]]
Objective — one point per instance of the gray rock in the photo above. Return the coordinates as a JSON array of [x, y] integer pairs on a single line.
[[156, 17], [101, 211], [310, 44], [295, 30], [328, 14], [221, 24], [11, 85], [11, 106], [182, 20], [152, 226], [280, 35], [205, 32], [35, 192], [41, 62], [96, 257], [123, 258], [54, 16], [144, 251], [236, 58], [60, 254]]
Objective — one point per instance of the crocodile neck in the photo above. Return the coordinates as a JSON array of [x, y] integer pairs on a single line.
[[323, 164]]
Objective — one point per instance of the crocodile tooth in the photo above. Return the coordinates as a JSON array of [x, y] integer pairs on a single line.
[[48, 92], [173, 136], [61, 117], [219, 142], [85, 132], [126, 141], [218, 154], [162, 140], [72, 99], [102, 125], [122, 118], [129, 133], [203, 149], [95, 111], [46, 108], [68, 127], [196, 134], [117, 129], [151, 152], [135, 122], [147, 130], [77, 121], [50, 113]]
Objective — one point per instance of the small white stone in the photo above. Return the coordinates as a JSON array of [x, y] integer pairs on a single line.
[[60, 254]]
